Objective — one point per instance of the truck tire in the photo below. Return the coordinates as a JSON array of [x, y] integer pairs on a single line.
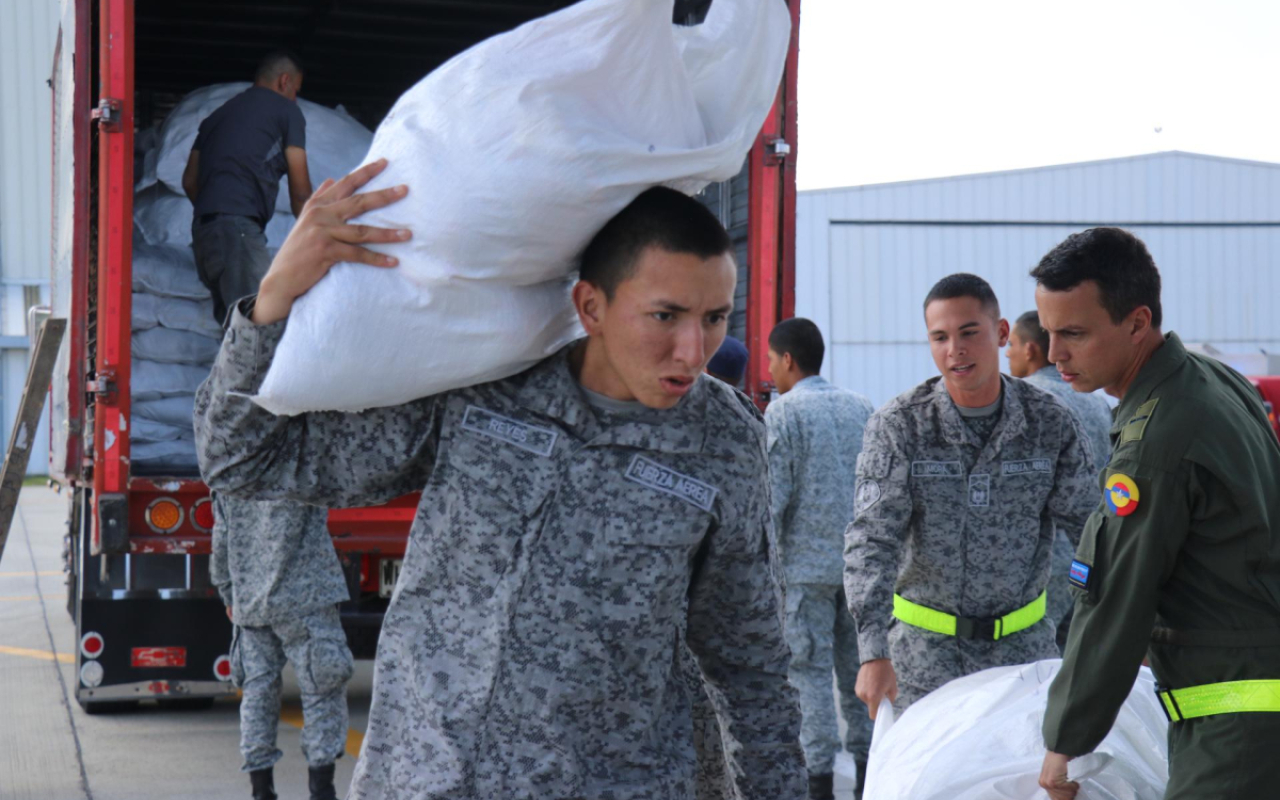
[[95, 707], [186, 703]]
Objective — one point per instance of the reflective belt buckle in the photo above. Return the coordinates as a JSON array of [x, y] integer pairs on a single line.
[[1168, 703], [984, 629]]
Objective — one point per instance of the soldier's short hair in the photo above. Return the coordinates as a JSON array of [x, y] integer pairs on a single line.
[[802, 339], [962, 284], [1116, 260], [1029, 330], [276, 63], [659, 217]]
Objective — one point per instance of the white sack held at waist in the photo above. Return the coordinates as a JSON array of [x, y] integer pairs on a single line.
[[978, 738], [515, 153]]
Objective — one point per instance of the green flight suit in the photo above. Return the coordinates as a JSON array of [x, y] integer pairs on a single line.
[[1190, 576]]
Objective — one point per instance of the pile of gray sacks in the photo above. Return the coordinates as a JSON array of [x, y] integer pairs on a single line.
[[175, 336]]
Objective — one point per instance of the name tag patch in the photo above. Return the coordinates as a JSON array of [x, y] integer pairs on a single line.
[[936, 469], [663, 479], [520, 434], [980, 489], [1079, 575], [1028, 466]]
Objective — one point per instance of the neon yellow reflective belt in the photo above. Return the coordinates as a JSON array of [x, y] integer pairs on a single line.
[[1230, 697], [951, 625]]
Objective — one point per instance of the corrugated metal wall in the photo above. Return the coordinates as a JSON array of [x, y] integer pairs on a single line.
[[866, 256], [28, 34]]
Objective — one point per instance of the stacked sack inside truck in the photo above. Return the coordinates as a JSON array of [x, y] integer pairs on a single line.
[[175, 335], [175, 340]]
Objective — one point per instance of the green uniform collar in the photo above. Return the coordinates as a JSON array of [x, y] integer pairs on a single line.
[[1163, 363]]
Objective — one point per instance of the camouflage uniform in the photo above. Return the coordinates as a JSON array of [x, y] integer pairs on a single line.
[[274, 564], [532, 644], [1094, 416], [961, 526], [815, 436]]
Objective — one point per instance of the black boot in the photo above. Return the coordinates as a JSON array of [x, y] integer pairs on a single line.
[[822, 787], [264, 785], [320, 781]]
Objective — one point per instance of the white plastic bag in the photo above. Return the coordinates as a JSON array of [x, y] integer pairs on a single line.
[[979, 738], [516, 152], [168, 346], [152, 380], [164, 217], [196, 316], [166, 270], [336, 142], [177, 410]]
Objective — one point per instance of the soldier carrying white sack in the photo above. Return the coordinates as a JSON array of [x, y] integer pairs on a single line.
[[578, 521]]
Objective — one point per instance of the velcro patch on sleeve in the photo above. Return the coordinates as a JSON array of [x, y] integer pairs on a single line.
[[1079, 574]]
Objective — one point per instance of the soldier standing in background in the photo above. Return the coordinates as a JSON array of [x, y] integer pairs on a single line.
[[276, 570], [961, 484], [1029, 359], [815, 436]]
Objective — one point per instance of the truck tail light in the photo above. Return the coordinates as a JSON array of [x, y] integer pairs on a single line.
[[222, 668], [91, 645], [164, 515], [202, 515], [91, 674]]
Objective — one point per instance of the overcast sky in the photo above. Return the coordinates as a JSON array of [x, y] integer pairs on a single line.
[[900, 89]]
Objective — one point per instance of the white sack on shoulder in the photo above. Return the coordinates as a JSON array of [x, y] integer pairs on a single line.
[[979, 738], [516, 152]]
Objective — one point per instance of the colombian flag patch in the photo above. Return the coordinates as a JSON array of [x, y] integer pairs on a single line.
[[1121, 495]]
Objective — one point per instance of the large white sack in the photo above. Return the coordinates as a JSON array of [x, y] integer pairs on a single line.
[[145, 430], [196, 316], [163, 216], [165, 270], [979, 738], [175, 347], [153, 380], [336, 142], [176, 454], [177, 410], [516, 152]]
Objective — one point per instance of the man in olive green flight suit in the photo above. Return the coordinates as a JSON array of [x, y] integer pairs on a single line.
[[1181, 559]]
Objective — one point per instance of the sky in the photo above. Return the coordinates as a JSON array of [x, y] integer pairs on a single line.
[[896, 90]]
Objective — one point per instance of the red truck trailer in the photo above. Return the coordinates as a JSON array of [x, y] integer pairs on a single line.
[[149, 624]]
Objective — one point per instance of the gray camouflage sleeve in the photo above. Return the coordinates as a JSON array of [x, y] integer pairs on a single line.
[[735, 631], [219, 568], [325, 458], [873, 541], [1074, 494], [780, 461]]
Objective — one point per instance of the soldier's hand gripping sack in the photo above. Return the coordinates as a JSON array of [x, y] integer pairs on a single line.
[[516, 152]]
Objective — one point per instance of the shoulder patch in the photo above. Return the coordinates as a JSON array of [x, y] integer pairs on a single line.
[[1079, 574], [1121, 494], [1134, 429]]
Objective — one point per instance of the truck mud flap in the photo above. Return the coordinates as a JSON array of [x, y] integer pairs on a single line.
[[162, 648]]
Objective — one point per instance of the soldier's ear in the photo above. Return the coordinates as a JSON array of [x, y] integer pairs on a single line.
[[1002, 327], [1139, 321], [590, 302]]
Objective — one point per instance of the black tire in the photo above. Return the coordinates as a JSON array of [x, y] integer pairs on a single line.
[[186, 703], [95, 707]]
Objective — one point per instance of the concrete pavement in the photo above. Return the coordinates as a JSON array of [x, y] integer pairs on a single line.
[[51, 750]]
